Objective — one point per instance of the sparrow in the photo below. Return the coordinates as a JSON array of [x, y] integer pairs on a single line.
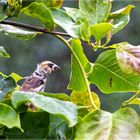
[[37, 81]]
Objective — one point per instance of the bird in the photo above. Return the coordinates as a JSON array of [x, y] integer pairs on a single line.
[[37, 81]]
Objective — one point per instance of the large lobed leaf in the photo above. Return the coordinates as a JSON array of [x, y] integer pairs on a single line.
[[77, 80], [101, 125], [15, 32], [64, 109], [9, 117], [108, 76]]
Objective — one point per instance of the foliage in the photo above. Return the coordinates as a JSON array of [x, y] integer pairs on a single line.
[[78, 116]]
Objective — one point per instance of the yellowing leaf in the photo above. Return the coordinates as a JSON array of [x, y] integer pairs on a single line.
[[135, 101], [124, 124], [120, 18], [82, 98], [128, 57], [16, 77]]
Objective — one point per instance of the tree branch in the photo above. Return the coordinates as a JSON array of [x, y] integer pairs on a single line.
[[33, 28]]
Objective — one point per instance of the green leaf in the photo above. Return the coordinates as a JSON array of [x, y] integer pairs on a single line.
[[2, 14], [34, 124], [7, 84], [13, 8], [16, 77], [58, 129], [77, 80], [80, 18], [62, 19], [101, 125], [3, 53], [2, 74], [9, 8], [56, 3], [64, 109], [128, 57], [96, 10], [82, 98], [9, 117], [85, 32], [17, 32], [41, 12], [100, 30], [74, 29], [60, 96], [108, 76], [76, 14], [48, 3], [120, 18]]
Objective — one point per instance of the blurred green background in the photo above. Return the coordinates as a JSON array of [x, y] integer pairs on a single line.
[[26, 54]]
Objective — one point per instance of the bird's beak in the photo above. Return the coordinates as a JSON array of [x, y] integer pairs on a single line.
[[55, 68]]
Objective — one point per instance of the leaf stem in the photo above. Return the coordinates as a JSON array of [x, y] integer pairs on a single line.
[[84, 107], [108, 38], [98, 43], [131, 99], [81, 67], [33, 28]]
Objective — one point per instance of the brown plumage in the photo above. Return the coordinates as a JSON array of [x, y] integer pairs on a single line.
[[37, 81], [31, 83]]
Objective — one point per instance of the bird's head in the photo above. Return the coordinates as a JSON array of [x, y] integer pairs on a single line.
[[48, 67]]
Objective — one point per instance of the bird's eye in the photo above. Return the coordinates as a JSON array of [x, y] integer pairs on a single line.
[[50, 65]]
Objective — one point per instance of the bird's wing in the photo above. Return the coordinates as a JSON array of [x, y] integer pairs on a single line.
[[31, 84]]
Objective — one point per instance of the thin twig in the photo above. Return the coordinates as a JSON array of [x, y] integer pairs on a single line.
[[33, 28]]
